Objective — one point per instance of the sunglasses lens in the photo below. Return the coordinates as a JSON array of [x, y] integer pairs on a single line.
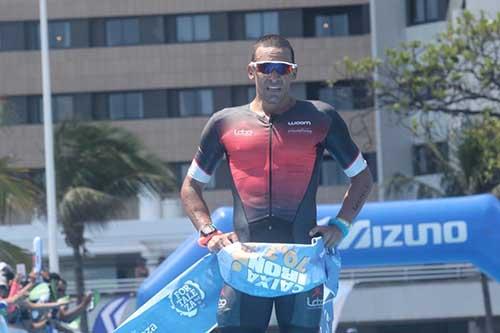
[[269, 67]]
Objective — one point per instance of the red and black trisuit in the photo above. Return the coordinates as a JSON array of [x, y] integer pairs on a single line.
[[275, 165]]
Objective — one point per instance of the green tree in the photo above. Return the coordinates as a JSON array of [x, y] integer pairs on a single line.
[[447, 90], [98, 168]]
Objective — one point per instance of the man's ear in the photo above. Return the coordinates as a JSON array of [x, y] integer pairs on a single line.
[[251, 72], [294, 73]]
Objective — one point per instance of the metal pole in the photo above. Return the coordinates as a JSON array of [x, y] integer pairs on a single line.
[[376, 106], [48, 141]]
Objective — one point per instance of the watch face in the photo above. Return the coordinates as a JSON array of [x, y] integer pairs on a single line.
[[207, 229]]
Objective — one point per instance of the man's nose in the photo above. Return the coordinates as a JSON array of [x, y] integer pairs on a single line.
[[275, 75]]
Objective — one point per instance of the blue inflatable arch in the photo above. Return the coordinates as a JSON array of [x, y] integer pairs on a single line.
[[451, 230]]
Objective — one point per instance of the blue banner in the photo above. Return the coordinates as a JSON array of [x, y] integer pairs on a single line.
[[189, 302], [451, 230], [110, 315]]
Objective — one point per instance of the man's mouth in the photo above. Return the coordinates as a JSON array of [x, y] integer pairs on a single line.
[[274, 88]]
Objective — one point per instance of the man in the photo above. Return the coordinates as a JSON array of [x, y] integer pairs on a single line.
[[274, 147]]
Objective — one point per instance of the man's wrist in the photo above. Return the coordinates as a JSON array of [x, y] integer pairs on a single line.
[[206, 232], [342, 224]]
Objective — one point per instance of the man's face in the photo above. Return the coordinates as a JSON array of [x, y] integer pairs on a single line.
[[272, 88]]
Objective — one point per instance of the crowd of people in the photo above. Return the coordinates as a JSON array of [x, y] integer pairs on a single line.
[[38, 302]]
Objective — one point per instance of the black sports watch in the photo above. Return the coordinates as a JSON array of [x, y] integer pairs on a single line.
[[207, 230]]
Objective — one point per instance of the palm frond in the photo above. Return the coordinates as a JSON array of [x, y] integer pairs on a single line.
[[83, 204], [13, 254], [17, 192]]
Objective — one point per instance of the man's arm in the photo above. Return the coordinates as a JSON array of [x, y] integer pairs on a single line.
[[68, 315], [356, 195], [193, 202], [199, 214], [354, 199]]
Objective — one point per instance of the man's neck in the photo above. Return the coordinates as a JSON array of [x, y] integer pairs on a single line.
[[258, 105]]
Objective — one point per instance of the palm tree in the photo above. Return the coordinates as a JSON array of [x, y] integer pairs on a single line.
[[98, 169]]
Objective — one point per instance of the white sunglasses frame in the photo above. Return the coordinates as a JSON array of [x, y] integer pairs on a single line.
[[255, 63]]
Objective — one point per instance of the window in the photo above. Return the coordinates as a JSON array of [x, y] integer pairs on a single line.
[[424, 160], [13, 110], [126, 106], [152, 30], [344, 95], [35, 113], [63, 108], [425, 11], [60, 35], [332, 25], [332, 173], [122, 32], [336, 21], [193, 102], [251, 92], [193, 28], [260, 24], [11, 36]]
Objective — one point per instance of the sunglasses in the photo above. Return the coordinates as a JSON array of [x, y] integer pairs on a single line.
[[267, 67]]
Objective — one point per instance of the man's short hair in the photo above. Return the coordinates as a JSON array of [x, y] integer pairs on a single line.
[[273, 41]]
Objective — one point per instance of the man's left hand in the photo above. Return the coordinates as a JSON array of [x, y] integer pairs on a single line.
[[331, 234]]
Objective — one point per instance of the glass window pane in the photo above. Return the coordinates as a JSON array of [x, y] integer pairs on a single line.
[[152, 30], [432, 10], [63, 108], [326, 95], [343, 98], [35, 112], [187, 101], [339, 25], [184, 28], [251, 93], [114, 32], [298, 90], [59, 35], [253, 26], [117, 106], [270, 23], [322, 24], [419, 11], [134, 106], [206, 101], [332, 174], [201, 27], [130, 31], [11, 36]]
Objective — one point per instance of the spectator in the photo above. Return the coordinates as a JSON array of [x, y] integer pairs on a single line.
[[141, 271]]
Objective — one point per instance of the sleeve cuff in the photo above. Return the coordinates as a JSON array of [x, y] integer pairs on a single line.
[[197, 173], [358, 165]]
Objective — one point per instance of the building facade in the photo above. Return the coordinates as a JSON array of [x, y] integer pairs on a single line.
[[160, 68]]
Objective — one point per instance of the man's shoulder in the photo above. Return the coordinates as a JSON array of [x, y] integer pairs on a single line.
[[317, 108], [228, 112]]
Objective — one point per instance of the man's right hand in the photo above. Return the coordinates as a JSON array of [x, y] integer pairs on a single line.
[[217, 242]]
